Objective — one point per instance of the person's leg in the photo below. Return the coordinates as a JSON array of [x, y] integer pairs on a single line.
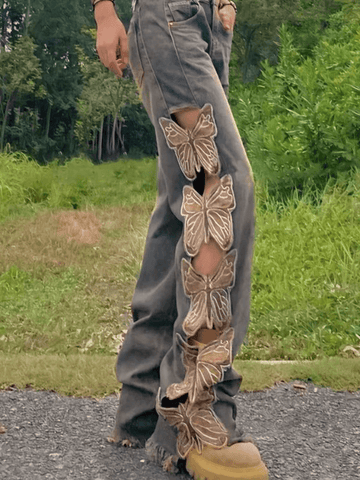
[[191, 303], [150, 335]]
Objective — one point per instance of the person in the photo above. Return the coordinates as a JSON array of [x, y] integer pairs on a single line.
[[192, 299]]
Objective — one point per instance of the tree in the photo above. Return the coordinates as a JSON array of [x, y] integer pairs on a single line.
[[103, 96], [57, 33], [20, 70], [256, 30], [11, 21]]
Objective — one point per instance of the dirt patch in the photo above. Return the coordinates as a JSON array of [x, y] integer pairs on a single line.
[[82, 227], [100, 241]]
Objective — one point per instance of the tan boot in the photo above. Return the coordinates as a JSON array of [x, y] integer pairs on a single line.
[[240, 461]]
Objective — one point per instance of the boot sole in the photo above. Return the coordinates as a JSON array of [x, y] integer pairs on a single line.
[[202, 469]]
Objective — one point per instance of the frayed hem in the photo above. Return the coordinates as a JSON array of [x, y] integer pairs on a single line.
[[167, 461], [240, 436], [129, 442]]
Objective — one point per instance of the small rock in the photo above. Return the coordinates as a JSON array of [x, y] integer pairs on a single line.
[[299, 386]]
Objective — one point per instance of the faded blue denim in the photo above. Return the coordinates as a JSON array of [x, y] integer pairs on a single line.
[[179, 55]]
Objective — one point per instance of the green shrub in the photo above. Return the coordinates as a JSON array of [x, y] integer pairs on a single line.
[[77, 184], [305, 289], [301, 120]]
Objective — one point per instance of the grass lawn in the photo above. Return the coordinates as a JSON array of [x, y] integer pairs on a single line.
[[71, 245], [93, 375]]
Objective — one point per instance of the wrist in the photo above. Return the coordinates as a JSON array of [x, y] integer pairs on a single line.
[[103, 10], [225, 3]]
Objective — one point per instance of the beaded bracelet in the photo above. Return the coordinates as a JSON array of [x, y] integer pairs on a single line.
[[222, 5]]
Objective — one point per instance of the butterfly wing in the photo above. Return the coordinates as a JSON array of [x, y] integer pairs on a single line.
[[189, 355], [174, 134], [203, 139], [220, 309], [172, 415], [177, 390], [177, 417], [225, 274], [211, 362], [198, 316], [193, 282], [194, 286], [205, 124], [208, 429], [220, 204], [185, 441], [178, 139], [193, 210], [190, 352]]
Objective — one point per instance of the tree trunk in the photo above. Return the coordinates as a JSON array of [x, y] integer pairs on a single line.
[[3, 39], [100, 140], [108, 134], [72, 134], [34, 122], [93, 140], [122, 147], [113, 134], [27, 19], [48, 116], [7, 109]]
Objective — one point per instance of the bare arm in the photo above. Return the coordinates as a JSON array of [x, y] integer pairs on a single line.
[[111, 38]]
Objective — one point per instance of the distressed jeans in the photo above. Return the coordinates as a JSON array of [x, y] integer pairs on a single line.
[[178, 394]]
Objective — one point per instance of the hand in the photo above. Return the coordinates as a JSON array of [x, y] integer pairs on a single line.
[[111, 42], [227, 17]]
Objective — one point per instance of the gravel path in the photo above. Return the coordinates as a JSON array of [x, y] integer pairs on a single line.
[[303, 434]]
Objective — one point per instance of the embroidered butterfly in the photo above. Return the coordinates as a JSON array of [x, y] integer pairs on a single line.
[[210, 300], [194, 148], [204, 369], [197, 424], [208, 216]]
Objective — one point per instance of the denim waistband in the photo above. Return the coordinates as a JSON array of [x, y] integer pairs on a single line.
[[212, 2]]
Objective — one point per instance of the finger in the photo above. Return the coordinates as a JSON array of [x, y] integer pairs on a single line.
[[122, 64], [109, 64], [113, 65], [124, 50]]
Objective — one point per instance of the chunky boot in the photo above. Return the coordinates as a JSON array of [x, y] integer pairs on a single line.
[[240, 461], [199, 429]]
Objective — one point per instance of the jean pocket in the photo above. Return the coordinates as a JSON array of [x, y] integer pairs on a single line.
[[134, 53], [183, 10]]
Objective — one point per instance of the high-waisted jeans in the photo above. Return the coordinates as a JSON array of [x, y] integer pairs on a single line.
[[177, 395]]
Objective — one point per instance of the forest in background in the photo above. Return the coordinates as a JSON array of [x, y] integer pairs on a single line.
[[58, 101]]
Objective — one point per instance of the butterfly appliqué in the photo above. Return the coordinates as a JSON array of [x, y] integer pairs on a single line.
[[204, 368], [197, 424], [194, 148], [210, 300], [208, 216]]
